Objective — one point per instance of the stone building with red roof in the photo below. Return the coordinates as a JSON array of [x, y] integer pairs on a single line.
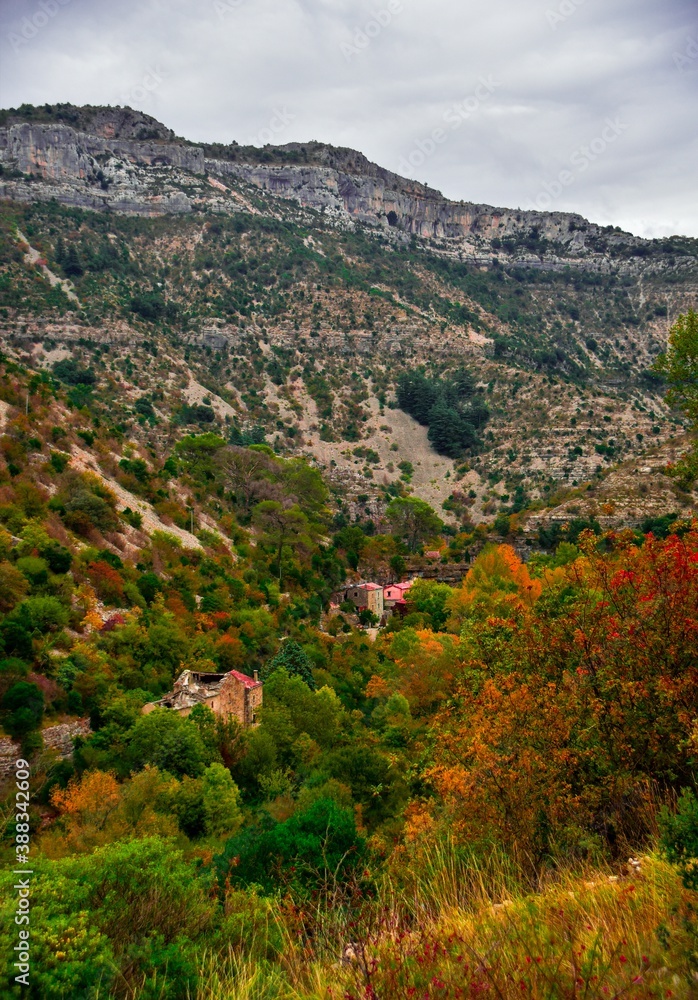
[[229, 695]]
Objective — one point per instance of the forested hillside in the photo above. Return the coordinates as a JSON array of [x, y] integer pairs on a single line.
[[223, 409]]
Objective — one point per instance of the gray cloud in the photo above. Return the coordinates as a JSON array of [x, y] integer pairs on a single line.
[[386, 76]]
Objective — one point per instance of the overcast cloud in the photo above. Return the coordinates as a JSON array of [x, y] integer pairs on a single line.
[[576, 105]]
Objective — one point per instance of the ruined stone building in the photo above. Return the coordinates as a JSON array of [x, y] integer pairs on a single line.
[[232, 694]]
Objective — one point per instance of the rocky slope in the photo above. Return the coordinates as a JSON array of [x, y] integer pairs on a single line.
[[284, 290]]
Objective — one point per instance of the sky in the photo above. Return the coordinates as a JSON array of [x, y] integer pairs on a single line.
[[588, 106]]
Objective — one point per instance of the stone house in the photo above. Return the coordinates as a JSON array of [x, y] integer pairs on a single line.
[[229, 695], [395, 593], [366, 597]]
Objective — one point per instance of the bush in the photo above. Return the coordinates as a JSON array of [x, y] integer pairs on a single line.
[[307, 851], [132, 517], [149, 585], [23, 709], [59, 558], [70, 372], [107, 581], [196, 415], [170, 742], [13, 586], [59, 461], [35, 569], [85, 510], [126, 913], [41, 614], [679, 837]]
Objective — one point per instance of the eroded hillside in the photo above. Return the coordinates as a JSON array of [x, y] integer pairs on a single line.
[[277, 295]]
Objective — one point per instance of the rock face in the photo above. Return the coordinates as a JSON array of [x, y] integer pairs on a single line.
[[93, 171], [58, 152], [59, 739], [381, 197], [115, 159]]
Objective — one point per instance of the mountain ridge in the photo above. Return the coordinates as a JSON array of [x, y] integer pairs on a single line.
[[80, 148], [280, 288]]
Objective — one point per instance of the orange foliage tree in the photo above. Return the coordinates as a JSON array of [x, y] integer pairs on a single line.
[[569, 708], [108, 581], [497, 581]]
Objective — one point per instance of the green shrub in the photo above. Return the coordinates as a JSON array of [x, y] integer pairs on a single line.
[[307, 851], [679, 837], [35, 569], [59, 558], [126, 915], [170, 742], [85, 510], [41, 614], [71, 373], [22, 709]]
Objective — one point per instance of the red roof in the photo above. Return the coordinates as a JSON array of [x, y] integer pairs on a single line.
[[249, 682]]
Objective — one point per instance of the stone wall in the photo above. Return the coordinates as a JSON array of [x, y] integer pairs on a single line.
[[238, 700], [56, 738], [254, 703]]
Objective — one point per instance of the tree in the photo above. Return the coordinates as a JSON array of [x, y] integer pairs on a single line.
[[170, 742], [245, 471], [72, 373], [450, 407], [413, 520], [72, 266], [13, 586], [280, 524], [431, 598], [221, 797], [496, 583], [679, 364], [449, 432], [416, 395], [311, 849], [293, 659], [23, 709], [40, 615], [305, 485], [89, 505], [566, 707]]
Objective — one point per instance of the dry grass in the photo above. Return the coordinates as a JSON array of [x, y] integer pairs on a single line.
[[453, 931], [583, 937]]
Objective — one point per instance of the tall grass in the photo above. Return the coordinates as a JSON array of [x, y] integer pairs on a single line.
[[445, 925]]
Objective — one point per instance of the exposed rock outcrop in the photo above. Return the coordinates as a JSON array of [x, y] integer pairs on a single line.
[[116, 159], [59, 739]]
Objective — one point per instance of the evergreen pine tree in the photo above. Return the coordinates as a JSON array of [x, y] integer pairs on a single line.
[[293, 659]]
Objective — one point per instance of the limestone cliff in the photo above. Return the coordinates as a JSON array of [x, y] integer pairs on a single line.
[[119, 160]]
